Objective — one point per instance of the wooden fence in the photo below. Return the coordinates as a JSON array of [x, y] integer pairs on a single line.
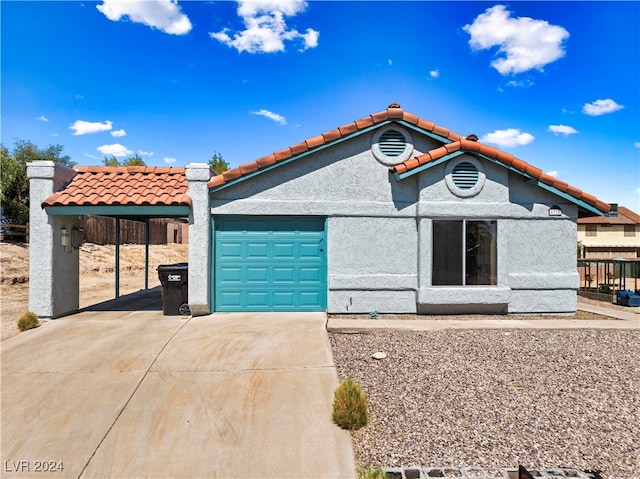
[[102, 230], [14, 232]]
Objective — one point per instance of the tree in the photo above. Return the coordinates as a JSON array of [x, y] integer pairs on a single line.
[[218, 164], [131, 161], [13, 176]]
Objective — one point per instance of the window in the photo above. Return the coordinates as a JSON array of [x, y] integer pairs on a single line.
[[464, 253], [592, 230], [629, 230]]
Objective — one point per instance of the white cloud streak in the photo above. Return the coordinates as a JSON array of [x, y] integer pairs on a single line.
[[523, 43], [145, 153], [265, 27], [562, 130], [636, 144], [434, 73], [271, 115], [81, 127], [169, 161], [164, 15], [115, 149], [42, 118], [118, 133], [511, 137], [553, 173], [601, 107]]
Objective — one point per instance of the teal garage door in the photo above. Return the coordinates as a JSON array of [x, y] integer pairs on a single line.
[[270, 263]]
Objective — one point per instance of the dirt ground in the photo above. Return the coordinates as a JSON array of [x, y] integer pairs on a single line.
[[97, 275]]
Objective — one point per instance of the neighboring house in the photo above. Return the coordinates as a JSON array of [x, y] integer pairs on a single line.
[[611, 236], [390, 213]]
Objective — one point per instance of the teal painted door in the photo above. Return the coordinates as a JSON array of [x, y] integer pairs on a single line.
[[269, 263]]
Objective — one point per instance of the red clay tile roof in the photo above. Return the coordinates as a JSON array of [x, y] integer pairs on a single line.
[[123, 186], [625, 217], [453, 142]]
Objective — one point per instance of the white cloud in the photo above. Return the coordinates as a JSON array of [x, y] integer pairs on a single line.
[[637, 144], [118, 133], [510, 137], [434, 73], [523, 43], [601, 107], [389, 62], [42, 118], [553, 173], [169, 161], [54, 134], [265, 27], [86, 127], [165, 15], [271, 115], [145, 153], [116, 150], [562, 130]]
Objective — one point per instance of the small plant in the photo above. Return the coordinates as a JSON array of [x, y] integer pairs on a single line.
[[28, 320], [372, 473], [350, 405]]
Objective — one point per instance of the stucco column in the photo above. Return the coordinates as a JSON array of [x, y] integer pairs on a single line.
[[425, 257], [54, 270], [198, 174]]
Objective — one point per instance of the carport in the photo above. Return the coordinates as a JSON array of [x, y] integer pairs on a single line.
[[132, 193]]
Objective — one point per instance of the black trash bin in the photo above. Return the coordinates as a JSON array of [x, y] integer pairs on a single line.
[[175, 288]]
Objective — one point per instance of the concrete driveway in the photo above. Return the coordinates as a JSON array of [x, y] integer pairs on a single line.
[[137, 394]]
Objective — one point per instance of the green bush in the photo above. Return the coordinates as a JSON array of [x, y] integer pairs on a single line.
[[28, 320], [371, 473], [349, 405]]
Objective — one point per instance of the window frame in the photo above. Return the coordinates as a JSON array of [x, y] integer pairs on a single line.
[[464, 253], [629, 230], [591, 229]]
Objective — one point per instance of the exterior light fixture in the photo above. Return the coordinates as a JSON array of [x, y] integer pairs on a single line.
[[555, 211]]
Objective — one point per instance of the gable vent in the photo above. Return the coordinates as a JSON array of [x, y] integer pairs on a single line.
[[465, 175], [392, 143]]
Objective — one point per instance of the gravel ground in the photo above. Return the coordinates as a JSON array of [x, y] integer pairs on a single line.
[[496, 398]]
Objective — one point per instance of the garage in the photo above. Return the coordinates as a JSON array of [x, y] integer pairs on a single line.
[[269, 263]]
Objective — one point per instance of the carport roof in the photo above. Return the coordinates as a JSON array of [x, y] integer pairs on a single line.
[[453, 145], [133, 190]]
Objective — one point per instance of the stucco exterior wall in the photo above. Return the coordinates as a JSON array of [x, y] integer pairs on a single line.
[[380, 234], [610, 235], [198, 175], [54, 271]]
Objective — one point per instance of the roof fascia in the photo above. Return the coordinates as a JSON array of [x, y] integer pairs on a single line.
[[585, 207], [428, 133], [158, 211], [426, 166]]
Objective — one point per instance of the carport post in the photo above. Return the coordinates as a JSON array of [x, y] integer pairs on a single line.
[[117, 258], [146, 254]]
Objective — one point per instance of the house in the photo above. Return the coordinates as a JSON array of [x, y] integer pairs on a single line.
[[390, 213], [616, 235]]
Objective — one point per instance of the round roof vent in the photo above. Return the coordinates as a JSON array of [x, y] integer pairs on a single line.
[[465, 175], [392, 143]]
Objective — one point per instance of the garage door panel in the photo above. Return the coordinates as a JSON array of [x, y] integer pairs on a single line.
[[270, 264]]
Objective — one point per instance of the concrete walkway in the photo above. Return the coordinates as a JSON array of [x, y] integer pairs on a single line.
[[619, 320], [136, 394]]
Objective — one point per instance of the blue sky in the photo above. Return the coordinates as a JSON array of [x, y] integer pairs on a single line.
[[557, 84]]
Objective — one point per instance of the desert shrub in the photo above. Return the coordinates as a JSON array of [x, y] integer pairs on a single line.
[[28, 320], [371, 473], [349, 405]]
